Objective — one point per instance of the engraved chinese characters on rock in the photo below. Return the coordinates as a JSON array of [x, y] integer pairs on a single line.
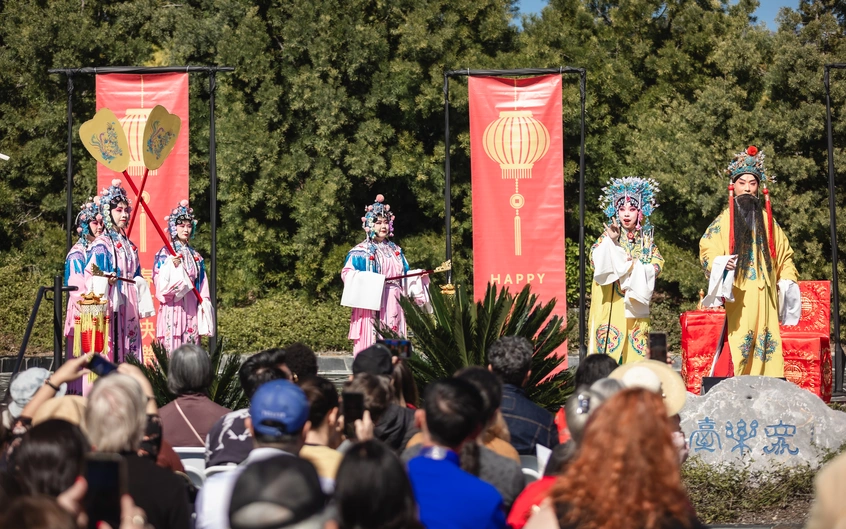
[[706, 437], [739, 433], [781, 432]]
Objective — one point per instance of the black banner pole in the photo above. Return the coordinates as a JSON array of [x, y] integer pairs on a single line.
[[447, 182], [835, 285], [69, 213], [582, 282], [213, 205]]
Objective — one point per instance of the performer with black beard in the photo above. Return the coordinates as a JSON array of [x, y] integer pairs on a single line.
[[747, 250]]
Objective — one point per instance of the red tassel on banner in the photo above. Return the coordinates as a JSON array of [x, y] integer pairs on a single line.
[[770, 234], [731, 219]]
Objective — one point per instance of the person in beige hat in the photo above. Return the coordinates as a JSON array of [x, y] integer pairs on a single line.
[[660, 378]]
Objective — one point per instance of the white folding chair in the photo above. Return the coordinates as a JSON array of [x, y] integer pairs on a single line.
[[529, 465], [217, 469], [194, 460], [196, 476], [530, 476]]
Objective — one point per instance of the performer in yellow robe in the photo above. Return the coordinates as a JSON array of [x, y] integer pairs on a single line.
[[747, 243], [626, 262]]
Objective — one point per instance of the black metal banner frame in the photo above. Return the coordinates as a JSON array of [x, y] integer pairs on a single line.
[[212, 73], [835, 285], [582, 72]]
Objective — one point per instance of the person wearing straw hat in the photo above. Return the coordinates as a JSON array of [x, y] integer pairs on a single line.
[[175, 277], [750, 265], [626, 262]]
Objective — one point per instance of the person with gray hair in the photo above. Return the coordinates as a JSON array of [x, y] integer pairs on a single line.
[[187, 420], [115, 420]]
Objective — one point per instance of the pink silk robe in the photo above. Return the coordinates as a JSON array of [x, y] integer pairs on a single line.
[[177, 321], [114, 253]]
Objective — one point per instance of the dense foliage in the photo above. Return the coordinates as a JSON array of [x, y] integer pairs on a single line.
[[332, 102]]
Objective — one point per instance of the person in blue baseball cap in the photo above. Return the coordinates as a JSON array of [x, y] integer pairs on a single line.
[[279, 423]]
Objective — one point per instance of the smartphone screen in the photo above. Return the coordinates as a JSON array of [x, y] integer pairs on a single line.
[[353, 404], [400, 348], [106, 477], [658, 346], [100, 366]]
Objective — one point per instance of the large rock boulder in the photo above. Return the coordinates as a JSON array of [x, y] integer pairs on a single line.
[[761, 422]]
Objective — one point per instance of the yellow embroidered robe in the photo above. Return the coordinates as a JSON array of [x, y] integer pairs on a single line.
[[609, 330], [753, 331]]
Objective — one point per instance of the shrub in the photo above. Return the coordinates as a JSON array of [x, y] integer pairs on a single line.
[[282, 318]]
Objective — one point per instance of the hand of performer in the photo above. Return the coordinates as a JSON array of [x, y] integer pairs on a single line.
[[113, 280], [732, 264], [177, 261], [133, 371], [613, 230]]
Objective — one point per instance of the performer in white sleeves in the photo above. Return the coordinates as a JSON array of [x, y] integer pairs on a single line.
[[626, 262], [377, 255], [112, 254], [176, 278]]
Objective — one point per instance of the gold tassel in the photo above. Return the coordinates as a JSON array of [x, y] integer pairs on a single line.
[[518, 244]]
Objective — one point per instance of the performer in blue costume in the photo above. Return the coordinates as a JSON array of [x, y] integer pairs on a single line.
[[89, 226]]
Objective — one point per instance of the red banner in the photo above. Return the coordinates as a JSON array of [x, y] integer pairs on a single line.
[[517, 166], [131, 98]]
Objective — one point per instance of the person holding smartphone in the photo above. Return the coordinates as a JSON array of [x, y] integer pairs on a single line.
[[626, 263], [377, 253]]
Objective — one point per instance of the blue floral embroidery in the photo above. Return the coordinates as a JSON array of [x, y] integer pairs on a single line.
[[745, 346], [713, 229], [765, 349]]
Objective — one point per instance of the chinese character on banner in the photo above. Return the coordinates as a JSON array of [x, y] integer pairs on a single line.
[[132, 97]]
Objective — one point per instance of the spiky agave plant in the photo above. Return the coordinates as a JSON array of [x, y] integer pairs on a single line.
[[225, 389], [458, 333]]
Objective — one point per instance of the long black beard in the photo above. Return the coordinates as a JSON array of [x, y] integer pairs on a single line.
[[749, 225]]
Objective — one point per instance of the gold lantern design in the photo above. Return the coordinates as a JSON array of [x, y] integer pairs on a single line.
[[516, 141], [133, 123]]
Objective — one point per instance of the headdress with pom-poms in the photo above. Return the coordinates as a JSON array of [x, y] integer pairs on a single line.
[[371, 212], [113, 193], [750, 161], [88, 212], [180, 213], [634, 190]]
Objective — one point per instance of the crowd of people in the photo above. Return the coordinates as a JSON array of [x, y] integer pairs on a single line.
[[450, 459], [454, 459]]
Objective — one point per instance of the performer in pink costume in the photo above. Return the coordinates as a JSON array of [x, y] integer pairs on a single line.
[[89, 226], [116, 255], [174, 277], [380, 255]]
